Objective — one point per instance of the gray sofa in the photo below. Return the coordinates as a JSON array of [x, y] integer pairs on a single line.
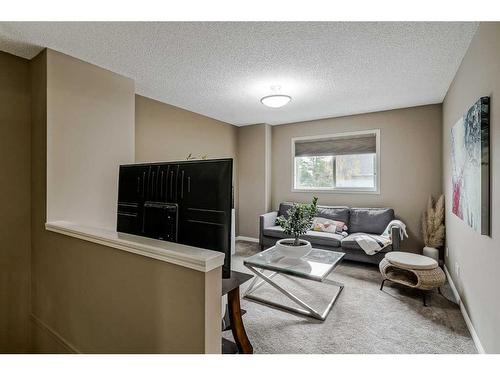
[[358, 220]]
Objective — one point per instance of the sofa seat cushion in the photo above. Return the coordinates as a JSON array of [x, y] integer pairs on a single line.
[[315, 238], [350, 243]]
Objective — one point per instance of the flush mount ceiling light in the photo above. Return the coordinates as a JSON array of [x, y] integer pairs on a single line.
[[276, 99]]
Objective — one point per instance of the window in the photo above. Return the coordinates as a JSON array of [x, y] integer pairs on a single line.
[[341, 162]]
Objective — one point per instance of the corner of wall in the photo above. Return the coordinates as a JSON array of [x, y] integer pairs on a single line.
[[254, 165]]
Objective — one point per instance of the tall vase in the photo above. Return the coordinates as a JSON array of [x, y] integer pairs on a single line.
[[431, 252]]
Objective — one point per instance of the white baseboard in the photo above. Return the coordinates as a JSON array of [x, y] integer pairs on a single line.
[[465, 314], [452, 285], [249, 239]]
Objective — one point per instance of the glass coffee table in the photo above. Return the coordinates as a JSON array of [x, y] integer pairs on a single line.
[[316, 266]]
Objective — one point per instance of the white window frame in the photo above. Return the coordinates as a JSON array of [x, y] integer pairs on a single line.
[[359, 190]]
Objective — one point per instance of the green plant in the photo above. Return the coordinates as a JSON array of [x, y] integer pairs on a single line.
[[299, 221]]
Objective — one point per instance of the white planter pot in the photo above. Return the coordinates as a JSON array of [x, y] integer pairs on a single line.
[[285, 247], [431, 252]]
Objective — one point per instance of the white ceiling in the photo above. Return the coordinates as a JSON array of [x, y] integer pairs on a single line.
[[221, 70]]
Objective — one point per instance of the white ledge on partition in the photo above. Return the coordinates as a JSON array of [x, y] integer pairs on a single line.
[[187, 256]]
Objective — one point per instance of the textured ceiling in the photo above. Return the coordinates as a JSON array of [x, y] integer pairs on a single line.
[[221, 70]]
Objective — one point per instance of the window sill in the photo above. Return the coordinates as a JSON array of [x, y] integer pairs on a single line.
[[187, 256], [337, 191]]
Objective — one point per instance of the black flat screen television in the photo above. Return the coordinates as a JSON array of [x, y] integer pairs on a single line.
[[187, 202]]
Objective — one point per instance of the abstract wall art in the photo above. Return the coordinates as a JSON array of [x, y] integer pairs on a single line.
[[470, 158]]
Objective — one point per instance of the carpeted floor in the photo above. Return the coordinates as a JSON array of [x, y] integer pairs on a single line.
[[363, 320]]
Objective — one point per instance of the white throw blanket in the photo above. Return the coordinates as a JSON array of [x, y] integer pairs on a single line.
[[395, 224], [372, 243]]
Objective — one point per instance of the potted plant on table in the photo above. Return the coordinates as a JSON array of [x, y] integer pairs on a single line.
[[298, 222], [433, 227]]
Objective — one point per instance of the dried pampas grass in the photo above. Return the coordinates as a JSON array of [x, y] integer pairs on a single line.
[[433, 223]]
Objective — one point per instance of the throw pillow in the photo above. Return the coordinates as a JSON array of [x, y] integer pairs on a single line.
[[321, 224]]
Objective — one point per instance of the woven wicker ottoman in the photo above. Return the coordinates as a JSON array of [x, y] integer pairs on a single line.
[[413, 270]]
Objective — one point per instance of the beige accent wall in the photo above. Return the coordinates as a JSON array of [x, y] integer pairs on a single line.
[[164, 132], [95, 299], [14, 203], [90, 132], [254, 178], [478, 256], [410, 143]]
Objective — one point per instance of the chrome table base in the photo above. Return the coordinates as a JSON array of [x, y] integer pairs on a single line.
[[307, 310]]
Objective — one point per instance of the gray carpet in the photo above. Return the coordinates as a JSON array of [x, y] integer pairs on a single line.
[[363, 320]]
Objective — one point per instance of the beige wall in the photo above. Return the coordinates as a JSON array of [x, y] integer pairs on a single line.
[[14, 203], [254, 177], [410, 142], [167, 133], [164, 132], [90, 132], [102, 300], [95, 299], [477, 256]]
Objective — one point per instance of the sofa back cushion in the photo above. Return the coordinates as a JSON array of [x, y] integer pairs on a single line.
[[370, 220], [284, 207], [340, 213]]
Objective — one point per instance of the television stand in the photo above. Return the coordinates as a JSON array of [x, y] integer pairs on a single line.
[[226, 323], [231, 287]]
